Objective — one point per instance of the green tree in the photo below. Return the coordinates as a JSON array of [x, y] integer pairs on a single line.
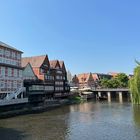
[[104, 83], [114, 83], [135, 85], [122, 79]]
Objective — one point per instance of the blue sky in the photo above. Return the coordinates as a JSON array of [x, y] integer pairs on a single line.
[[90, 35]]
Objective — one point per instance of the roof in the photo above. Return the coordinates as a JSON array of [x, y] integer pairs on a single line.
[[61, 63], [53, 63], [30, 67], [84, 77], [9, 47], [35, 61], [95, 76], [75, 79], [113, 73]]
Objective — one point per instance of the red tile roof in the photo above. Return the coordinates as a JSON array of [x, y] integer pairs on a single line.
[[54, 63], [35, 61], [62, 65], [95, 76], [84, 77]]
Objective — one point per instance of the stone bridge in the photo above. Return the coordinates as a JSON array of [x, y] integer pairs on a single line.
[[115, 93]]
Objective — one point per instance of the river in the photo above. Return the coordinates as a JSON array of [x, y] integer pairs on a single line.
[[86, 121]]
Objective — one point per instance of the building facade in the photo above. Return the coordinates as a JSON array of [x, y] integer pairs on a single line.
[[59, 73], [50, 77], [43, 86], [10, 70], [75, 81], [89, 80], [86, 80]]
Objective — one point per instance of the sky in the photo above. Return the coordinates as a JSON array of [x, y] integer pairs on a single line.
[[89, 35]]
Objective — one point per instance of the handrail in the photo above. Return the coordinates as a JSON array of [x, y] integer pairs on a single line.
[[10, 96]]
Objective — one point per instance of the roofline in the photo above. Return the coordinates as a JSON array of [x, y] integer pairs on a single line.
[[4, 45], [35, 56]]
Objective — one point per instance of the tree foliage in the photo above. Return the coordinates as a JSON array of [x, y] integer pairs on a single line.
[[135, 86], [123, 79], [120, 81]]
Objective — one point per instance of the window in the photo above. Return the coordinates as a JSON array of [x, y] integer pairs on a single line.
[[42, 70], [15, 72], [15, 84], [20, 73], [9, 72], [1, 51], [13, 54], [18, 56], [7, 53], [1, 84], [3, 71]]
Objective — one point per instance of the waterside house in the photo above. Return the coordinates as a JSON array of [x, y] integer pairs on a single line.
[[44, 79], [11, 80], [58, 70], [42, 87], [75, 82], [89, 80], [85, 80]]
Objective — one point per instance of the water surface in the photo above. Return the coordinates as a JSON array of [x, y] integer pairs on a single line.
[[87, 121]]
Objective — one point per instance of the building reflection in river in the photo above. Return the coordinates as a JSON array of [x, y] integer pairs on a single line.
[[83, 110]]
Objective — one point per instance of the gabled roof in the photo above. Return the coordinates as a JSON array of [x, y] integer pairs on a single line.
[[30, 67], [35, 61], [85, 77], [75, 79], [95, 76], [62, 65], [54, 63], [9, 47]]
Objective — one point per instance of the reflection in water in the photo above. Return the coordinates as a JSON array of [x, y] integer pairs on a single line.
[[136, 112], [88, 121], [46, 126], [10, 134]]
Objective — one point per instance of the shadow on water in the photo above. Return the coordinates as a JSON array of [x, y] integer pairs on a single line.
[[11, 134]]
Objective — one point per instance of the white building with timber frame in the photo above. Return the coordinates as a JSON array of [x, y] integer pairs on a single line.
[[11, 80]]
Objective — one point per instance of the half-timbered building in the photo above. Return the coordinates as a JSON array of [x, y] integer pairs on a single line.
[[43, 86], [11, 82]]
